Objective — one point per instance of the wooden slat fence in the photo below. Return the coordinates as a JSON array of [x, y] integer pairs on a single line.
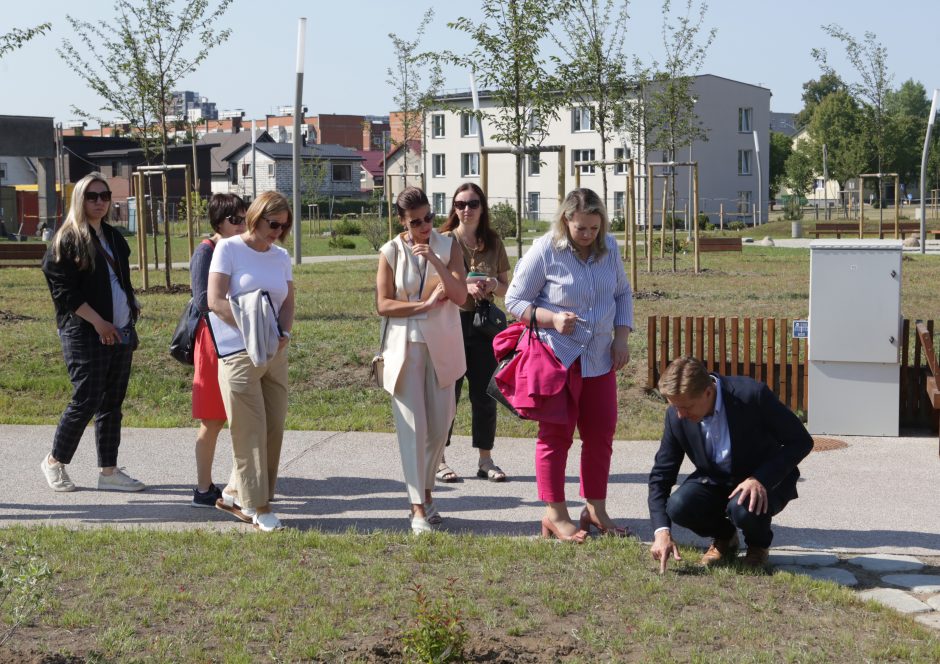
[[762, 349]]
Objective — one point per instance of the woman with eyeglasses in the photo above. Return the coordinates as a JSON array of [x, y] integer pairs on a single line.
[[227, 218], [251, 298], [420, 278], [488, 275], [573, 283], [88, 273]]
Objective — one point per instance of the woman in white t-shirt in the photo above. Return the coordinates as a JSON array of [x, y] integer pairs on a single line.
[[255, 396]]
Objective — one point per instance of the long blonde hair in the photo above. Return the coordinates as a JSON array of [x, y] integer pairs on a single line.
[[587, 202], [76, 231]]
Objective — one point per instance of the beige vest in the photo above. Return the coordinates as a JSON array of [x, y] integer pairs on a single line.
[[440, 328]]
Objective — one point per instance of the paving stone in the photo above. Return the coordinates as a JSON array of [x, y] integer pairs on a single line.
[[834, 574], [918, 583], [804, 558], [887, 562], [931, 619], [934, 602], [896, 599]]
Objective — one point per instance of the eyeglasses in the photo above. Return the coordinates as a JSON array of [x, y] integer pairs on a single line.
[[428, 219], [275, 225], [93, 196], [235, 220], [473, 205]]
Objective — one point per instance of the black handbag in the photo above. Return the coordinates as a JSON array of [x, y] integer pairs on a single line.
[[488, 319], [183, 343]]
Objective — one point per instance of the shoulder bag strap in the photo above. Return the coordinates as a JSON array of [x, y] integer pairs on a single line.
[[117, 271]]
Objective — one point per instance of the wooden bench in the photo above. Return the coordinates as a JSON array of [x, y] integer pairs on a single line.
[[926, 343], [835, 229], [905, 228], [22, 254], [719, 244]]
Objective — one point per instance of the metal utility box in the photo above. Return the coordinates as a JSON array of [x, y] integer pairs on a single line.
[[854, 337]]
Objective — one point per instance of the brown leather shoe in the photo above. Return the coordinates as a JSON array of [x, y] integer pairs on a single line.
[[756, 557], [721, 551]]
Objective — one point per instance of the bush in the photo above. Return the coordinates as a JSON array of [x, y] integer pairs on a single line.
[[617, 224], [503, 219], [737, 226], [375, 230], [437, 633], [340, 242], [704, 221], [25, 587], [346, 227], [792, 210]]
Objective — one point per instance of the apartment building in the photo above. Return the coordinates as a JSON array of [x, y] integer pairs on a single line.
[[728, 110]]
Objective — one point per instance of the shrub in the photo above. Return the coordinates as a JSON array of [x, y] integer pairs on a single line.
[[617, 224], [25, 584], [375, 230], [704, 221], [792, 210], [737, 226], [437, 633], [346, 227], [503, 219], [340, 242]]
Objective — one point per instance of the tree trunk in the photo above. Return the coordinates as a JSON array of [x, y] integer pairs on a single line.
[[519, 163]]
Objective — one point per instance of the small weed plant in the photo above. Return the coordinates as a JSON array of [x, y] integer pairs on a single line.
[[437, 633], [25, 580]]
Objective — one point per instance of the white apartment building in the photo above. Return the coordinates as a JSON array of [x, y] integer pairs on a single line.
[[729, 111]]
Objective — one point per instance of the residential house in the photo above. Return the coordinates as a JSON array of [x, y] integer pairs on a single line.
[[728, 110], [223, 146], [404, 167], [372, 170]]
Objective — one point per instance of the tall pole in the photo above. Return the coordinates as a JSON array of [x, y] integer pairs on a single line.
[[826, 182], [254, 160], [760, 182], [923, 172], [388, 207], [298, 109]]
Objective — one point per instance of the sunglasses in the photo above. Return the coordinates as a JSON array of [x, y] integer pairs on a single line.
[[276, 225], [235, 220], [473, 205], [428, 219], [93, 196]]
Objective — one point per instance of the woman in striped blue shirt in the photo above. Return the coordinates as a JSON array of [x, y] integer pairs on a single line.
[[573, 280]]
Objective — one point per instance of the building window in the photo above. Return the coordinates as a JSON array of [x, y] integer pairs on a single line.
[[233, 173], [439, 201], [469, 164], [342, 173], [3, 170], [744, 119], [535, 164], [582, 119], [469, 125], [533, 201], [620, 154], [437, 166], [744, 202], [582, 155], [246, 169], [270, 170], [744, 162], [115, 169], [619, 198], [535, 123], [437, 125]]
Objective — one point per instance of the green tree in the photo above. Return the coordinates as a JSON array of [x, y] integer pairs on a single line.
[[594, 71], [17, 37], [135, 60], [799, 172], [907, 109], [507, 60], [412, 96], [781, 147], [838, 123], [814, 91]]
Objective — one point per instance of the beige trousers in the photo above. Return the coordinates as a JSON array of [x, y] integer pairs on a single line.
[[255, 401], [423, 412]]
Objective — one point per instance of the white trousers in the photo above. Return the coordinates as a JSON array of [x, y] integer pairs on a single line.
[[423, 412]]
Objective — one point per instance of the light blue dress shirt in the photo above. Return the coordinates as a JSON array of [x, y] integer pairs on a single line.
[[715, 430]]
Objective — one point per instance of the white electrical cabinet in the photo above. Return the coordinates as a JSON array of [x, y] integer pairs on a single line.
[[854, 332]]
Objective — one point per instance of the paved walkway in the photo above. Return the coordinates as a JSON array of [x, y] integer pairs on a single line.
[[866, 514]]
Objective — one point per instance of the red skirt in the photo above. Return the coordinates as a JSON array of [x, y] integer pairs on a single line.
[[207, 397]]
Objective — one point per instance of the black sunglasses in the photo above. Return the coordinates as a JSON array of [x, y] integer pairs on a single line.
[[473, 205], [93, 196], [275, 225], [427, 219], [235, 220]]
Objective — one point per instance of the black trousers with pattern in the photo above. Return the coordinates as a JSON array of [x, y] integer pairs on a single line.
[[99, 376]]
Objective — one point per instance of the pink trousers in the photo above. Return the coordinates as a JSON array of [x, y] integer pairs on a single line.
[[595, 415]]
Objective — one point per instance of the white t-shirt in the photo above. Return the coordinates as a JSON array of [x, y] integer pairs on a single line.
[[248, 270]]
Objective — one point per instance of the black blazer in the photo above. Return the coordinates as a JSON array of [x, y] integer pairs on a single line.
[[71, 287], [767, 443]]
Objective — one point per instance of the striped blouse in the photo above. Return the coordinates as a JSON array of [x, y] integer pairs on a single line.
[[595, 290]]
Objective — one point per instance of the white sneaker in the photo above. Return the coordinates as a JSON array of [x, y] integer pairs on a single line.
[[267, 522], [420, 526], [119, 481], [56, 476]]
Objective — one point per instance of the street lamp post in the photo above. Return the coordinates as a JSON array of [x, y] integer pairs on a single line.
[[923, 172], [298, 110], [760, 182]]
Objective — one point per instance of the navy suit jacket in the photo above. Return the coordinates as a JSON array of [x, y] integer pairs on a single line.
[[767, 443]]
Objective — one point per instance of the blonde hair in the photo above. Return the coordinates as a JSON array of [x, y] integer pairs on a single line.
[[267, 203], [685, 375], [584, 201], [75, 230]]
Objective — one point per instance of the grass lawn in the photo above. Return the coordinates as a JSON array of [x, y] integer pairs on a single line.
[[148, 596], [337, 333]]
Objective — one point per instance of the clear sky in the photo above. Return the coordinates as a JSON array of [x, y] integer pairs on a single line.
[[348, 49]]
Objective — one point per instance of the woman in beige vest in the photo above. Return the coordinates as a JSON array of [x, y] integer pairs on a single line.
[[420, 278]]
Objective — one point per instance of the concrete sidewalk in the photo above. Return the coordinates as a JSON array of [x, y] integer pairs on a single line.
[[877, 495]]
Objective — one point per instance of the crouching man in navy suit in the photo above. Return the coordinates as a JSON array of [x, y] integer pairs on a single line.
[[745, 445]]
